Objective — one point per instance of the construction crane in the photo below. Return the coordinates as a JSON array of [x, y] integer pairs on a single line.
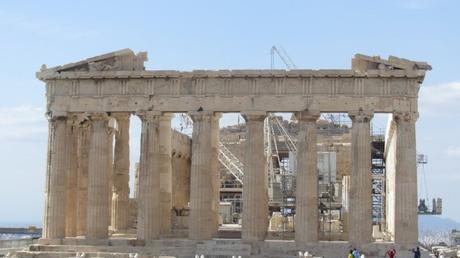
[[283, 55], [424, 206], [273, 127]]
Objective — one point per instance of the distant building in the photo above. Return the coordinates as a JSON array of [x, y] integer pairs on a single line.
[[455, 237]]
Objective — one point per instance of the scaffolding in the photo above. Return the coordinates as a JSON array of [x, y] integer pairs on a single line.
[[378, 178], [330, 208]]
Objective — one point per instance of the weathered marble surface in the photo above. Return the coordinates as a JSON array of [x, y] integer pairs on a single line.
[[99, 87]]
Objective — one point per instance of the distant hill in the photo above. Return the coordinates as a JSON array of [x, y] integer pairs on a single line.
[[436, 223], [4, 224]]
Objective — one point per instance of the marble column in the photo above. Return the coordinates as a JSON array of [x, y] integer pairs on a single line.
[[255, 195], [56, 176], [360, 196], [72, 176], [165, 167], [215, 172], [110, 137], [306, 226], [406, 218], [97, 221], [176, 165], [202, 215], [137, 169], [149, 199], [120, 196], [345, 204], [82, 181]]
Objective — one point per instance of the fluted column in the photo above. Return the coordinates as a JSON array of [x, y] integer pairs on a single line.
[[56, 176], [255, 195], [137, 168], [72, 177], [306, 226], [345, 204], [120, 196], [149, 201], [202, 217], [215, 172], [82, 181], [406, 218], [110, 137], [165, 172], [360, 210], [97, 221]]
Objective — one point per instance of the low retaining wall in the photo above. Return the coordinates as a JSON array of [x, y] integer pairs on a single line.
[[15, 243]]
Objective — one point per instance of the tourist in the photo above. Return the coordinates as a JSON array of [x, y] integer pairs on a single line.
[[356, 253], [350, 254], [416, 252], [391, 253]]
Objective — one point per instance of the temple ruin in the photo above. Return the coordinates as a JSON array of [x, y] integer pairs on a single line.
[[181, 192]]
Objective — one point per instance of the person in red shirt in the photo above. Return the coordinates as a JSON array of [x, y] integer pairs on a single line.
[[391, 253]]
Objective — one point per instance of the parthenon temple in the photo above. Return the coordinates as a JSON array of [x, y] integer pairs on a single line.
[[181, 204]]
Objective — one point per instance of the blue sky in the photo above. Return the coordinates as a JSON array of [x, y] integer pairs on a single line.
[[187, 35]]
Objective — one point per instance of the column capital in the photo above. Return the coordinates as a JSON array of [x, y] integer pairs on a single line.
[[201, 115], [307, 116], [166, 117], [254, 115], [409, 117], [149, 115], [53, 116], [98, 116], [73, 119], [121, 116], [84, 123], [361, 116]]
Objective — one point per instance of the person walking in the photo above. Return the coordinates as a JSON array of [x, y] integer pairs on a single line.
[[356, 253], [391, 253], [416, 252], [350, 254]]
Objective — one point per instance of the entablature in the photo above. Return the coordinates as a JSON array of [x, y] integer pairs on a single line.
[[373, 83]]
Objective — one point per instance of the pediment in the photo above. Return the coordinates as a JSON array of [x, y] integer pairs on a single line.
[[121, 60], [363, 63]]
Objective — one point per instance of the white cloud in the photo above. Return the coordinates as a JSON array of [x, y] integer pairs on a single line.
[[453, 151], [22, 121], [440, 100]]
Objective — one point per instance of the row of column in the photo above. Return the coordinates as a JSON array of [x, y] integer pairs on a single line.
[[155, 176], [155, 185], [204, 186], [87, 185], [359, 212]]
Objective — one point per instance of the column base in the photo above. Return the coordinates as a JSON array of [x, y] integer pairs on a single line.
[[213, 248], [50, 241], [85, 241]]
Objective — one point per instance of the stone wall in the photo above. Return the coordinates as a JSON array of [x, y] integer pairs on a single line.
[[181, 145]]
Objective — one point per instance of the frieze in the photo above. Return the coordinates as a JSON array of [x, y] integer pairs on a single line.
[[118, 82]]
